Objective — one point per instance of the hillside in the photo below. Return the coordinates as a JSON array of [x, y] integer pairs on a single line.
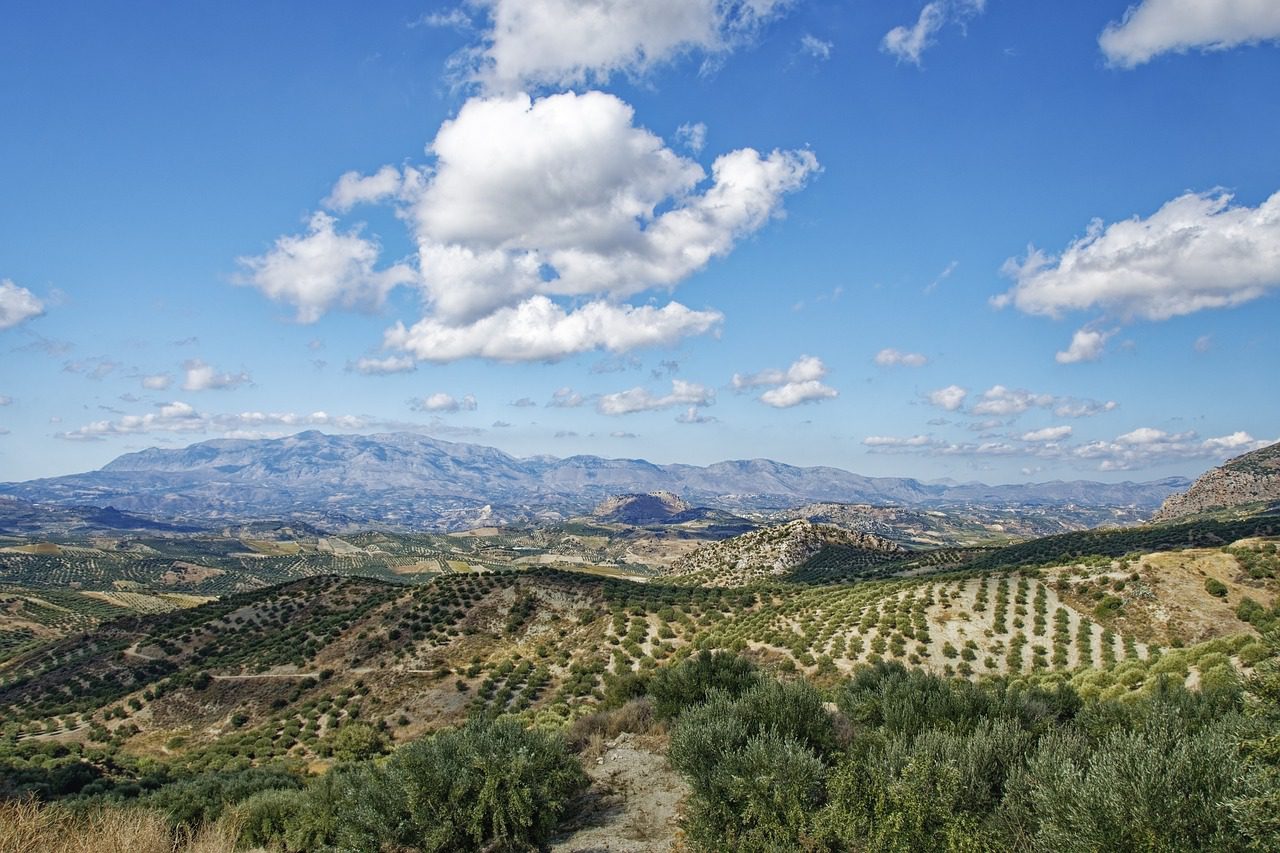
[[1253, 478], [775, 551], [404, 481], [655, 507]]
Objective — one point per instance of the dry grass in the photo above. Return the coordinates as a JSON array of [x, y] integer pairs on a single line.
[[587, 735], [28, 826]]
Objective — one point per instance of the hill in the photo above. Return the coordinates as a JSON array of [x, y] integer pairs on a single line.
[[404, 481], [652, 508], [776, 551], [1253, 478]]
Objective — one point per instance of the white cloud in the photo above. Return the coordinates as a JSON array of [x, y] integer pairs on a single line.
[[540, 330], [179, 417], [1153, 27], [6, 400], [889, 441], [950, 398], [205, 377], [455, 18], [1203, 344], [559, 196], [1086, 345], [795, 393], [894, 358], [561, 398], [908, 43], [1057, 433], [442, 402], [622, 434], [1004, 402], [526, 402], [799, 383], [815, 47], [354, 188], [692, 136], [566, 43], [639, 399], [17, 304], [1195, 252], [693, 415], [322, 269], [1070, 407], [383, 366], [157, 381]]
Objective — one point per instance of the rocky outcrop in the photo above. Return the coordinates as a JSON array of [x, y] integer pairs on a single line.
[[1251, 478], [775, 550]]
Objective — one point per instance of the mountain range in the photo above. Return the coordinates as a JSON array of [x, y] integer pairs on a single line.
[[408, 481]]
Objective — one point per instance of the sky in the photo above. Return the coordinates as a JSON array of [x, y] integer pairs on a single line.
[[968, 239]]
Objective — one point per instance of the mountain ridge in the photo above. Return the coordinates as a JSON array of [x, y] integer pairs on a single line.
[[1252, 477], [409, 480]]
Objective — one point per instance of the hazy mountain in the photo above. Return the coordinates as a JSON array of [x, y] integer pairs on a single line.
[[1248, 479], [409, 480]]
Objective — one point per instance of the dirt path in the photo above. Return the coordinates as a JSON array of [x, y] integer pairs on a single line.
[[632, 805]]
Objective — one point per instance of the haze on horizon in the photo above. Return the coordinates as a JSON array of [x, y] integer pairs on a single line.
[[949, 239]]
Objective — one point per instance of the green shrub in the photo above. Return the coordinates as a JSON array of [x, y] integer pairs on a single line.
[[491, 785], [690, 682], [1215, 587]]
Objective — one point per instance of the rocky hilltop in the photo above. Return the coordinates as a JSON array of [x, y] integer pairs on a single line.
[[650, 508], [774, 551], [1251, 478]]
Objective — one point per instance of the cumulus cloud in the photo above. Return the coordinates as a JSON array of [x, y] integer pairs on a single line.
[[799, 383], [6, 400], [908, 43], [894, 358], [530, 204], [1139, 448], [354, 188], [157, 381], [1153, 27], [442, 402], [1086, 345], [369, 366], [559, 196], [17, 304], [323, 268], [640, 399], [950, 398], [1196, 252], [1057, 433], [205, 377], [1003, 402], [522, 403], [565, 43], [540, 330]]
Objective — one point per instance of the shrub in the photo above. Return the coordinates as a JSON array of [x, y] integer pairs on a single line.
[[357, 742], [1215, 587], [489, 785], [690, 682]]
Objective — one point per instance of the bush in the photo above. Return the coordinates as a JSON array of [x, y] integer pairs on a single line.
[[690, 682], [357, 742], [490, 784], [1215, 587]]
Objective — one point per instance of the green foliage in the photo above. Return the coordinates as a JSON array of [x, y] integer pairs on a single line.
[[357, 742], [1215, 587], [690, 682], [491, 785]]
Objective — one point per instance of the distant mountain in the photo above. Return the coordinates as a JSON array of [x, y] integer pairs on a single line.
[[21, 518], [408, 481], [1248, 479], [652, 508]]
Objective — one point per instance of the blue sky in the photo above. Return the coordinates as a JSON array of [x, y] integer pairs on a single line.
[[981, 240]]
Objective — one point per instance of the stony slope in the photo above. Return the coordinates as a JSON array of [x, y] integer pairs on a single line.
[[774, 551], [651, 508], [1251, 478]]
